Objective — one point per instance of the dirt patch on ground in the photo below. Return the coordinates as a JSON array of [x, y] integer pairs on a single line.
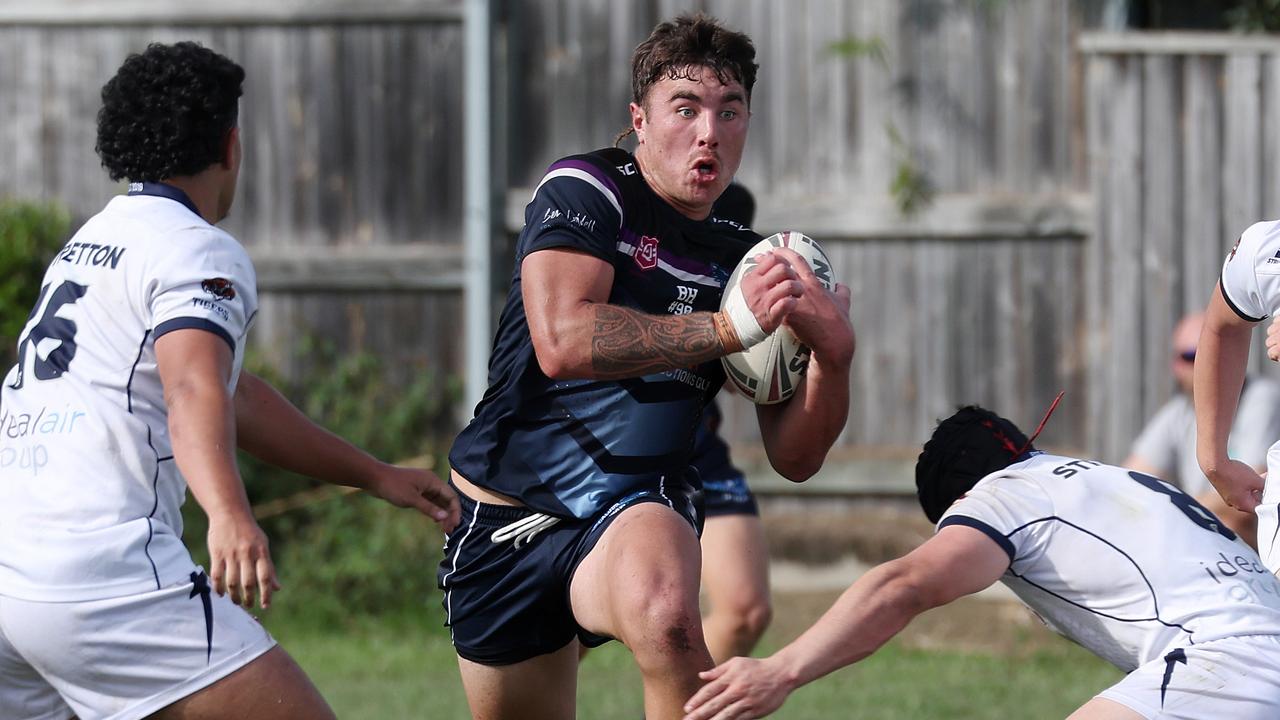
[[997, 626], [824, 531]]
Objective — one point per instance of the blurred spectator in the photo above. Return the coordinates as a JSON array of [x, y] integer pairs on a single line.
[[1166, 448]]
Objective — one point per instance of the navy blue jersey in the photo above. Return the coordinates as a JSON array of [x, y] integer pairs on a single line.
[[573, 447], [710, 452]]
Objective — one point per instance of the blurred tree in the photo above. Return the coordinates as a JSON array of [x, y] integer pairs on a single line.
[[30, 234]]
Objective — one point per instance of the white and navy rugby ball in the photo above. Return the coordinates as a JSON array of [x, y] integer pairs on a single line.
[[770, 371]]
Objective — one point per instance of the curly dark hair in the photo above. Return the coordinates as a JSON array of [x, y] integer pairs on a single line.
[[966, 447], [688, 42], [167, 112]]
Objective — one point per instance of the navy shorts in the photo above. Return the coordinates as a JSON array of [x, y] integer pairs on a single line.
[[506, 604], [729, 496]]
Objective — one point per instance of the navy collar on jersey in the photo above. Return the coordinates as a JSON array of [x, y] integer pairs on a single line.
[[163, 190]]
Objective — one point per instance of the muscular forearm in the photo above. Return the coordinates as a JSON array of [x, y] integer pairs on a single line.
[[202, 433], [865, 617], [609, 342], [1219, 375], [271, 429], [627, 343], [799, 433]]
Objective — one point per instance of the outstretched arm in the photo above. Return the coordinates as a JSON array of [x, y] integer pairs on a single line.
[[957, 561], [195, 367], [1221, 357], [271, 429]]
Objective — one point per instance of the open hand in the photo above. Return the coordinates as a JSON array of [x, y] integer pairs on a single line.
[[240, 561], [739, 689], [420, 489]]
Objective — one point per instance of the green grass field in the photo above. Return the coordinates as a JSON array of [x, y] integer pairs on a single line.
[[391, 670]]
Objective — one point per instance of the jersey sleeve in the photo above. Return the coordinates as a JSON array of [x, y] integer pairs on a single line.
[[1157, 444], [1251, 273], [577, 205], [1009, 510], [206, 282]]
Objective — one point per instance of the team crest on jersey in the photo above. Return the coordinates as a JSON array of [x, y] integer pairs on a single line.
[[220, 288], [647, 252]]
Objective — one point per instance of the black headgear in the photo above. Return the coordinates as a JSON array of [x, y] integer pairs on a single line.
[[965, 448]]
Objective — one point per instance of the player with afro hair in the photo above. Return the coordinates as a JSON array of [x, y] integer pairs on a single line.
[[167, 112]]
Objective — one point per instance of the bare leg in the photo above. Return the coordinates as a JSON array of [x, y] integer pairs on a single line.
[[735, 576], [540, 688], [640, 585], [1103, 709], [272, 687]]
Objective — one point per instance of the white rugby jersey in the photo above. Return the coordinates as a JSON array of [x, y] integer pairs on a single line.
[[1251, 272], [89, 490], [1126, 565]]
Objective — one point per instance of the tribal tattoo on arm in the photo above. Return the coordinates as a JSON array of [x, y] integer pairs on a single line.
[[627, 343]]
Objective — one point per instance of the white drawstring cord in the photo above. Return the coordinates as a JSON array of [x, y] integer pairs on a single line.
[[523, 530]]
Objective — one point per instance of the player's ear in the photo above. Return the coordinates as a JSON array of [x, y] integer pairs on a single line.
[[638, 121], [230, 152]]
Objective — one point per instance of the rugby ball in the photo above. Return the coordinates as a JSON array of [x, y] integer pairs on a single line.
[[769, 372]]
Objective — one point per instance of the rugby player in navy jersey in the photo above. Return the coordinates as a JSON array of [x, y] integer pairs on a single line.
[[735, 557], [579, 521]]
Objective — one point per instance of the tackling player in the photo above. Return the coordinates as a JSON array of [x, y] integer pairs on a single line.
[[127, 391], [1248, 292], [1128, 566], [578, 515]]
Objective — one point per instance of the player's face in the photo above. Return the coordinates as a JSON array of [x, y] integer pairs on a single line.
[[691, 132], [1185, 338]]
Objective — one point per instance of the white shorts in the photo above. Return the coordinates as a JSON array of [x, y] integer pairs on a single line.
[[1267, 510], [1269, 534], [1237, 678], [120, 658]]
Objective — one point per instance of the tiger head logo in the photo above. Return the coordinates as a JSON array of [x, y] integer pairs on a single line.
[[220, 288]]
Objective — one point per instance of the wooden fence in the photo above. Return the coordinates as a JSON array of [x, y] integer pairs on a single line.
[[1183, 158], [1083, 191], [975, 298], [350, 198]]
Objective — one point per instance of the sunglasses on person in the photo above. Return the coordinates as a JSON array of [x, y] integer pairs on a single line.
[[1187, 355]]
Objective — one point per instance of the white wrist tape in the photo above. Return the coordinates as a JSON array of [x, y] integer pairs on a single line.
[[744, 321]]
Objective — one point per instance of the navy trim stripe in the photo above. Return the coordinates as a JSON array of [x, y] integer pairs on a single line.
[[444, 581], [965, 521], [200, 587], [155, 504], [146, 550], [165, 190], [1223, 288], [186, 323], [128, 388], [1276, 534]]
